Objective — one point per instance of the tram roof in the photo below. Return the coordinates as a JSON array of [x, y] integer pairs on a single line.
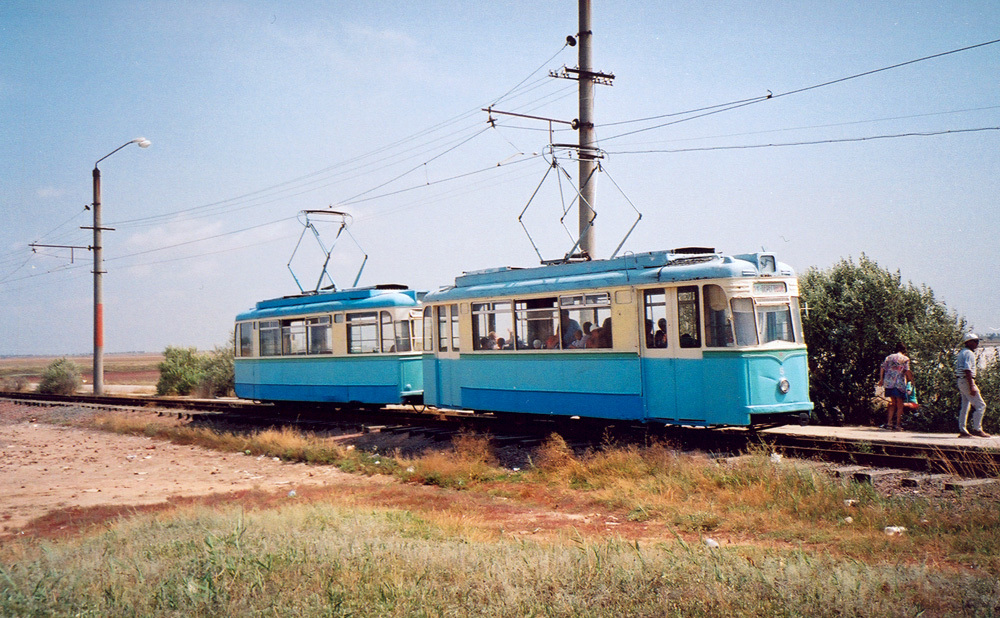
[[632, 269], [388, 295]]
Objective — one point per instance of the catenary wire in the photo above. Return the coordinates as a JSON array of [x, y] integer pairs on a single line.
[[771, 97], [809, 143]]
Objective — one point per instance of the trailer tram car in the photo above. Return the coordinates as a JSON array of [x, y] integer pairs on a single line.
[[355, 346], [687, 337]]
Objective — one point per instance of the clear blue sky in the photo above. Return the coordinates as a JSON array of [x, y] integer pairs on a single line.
[[258, 110]]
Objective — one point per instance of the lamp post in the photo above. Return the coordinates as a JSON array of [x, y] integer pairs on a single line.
[[99, 270]]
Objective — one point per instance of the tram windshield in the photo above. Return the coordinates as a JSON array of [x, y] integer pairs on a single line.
[[774, 323], [743, 321], [759, 321]]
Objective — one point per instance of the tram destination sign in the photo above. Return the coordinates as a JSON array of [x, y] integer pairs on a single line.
[[769, 287]]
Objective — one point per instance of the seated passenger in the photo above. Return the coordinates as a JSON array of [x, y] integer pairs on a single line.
[[577, 342], [606, 338], [586, 334], [687, 341], [569, 328], [660, 338], [552, 343], [594, 341], [649, 333], [501, 344], [537, 344]]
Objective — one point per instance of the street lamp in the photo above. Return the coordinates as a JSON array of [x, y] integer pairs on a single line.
[[98, 271]]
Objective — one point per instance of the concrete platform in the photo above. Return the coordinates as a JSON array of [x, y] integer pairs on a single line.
[[875, 434]]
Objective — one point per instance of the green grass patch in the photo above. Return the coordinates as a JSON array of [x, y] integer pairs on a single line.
[[321, 560]]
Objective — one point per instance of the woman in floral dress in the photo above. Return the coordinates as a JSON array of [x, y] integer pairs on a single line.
[[893, 376]]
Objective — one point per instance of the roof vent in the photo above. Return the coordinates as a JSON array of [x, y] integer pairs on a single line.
[[694, 250]]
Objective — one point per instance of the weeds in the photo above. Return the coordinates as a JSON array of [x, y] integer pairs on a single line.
[[320, 560], [787, 547]]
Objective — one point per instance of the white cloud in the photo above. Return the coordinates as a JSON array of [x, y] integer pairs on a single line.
[[50, 192]]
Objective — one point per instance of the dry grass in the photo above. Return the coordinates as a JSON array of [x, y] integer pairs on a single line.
[[786, 545], [750, 499], [323, 560], [286, 443], [135, 369]]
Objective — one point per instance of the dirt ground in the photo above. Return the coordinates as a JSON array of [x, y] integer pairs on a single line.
[[56, 478], [59, 479], [46, 468]]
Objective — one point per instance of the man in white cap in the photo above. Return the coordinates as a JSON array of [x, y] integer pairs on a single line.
[[965, 373]]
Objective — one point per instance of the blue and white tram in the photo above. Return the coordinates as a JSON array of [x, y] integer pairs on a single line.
[[351, 346], [689, 337]]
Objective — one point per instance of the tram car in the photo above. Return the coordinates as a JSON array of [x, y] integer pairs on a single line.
[[356, 346], [683, 337]]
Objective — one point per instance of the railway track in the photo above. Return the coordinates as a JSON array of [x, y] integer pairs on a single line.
[[529, 431]]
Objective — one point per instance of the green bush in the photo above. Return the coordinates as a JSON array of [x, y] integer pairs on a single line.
[[180, 372], [61, 377], [184, 372], [218, 379]]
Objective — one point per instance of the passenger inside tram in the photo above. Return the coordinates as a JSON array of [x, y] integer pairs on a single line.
[[569, 328], [660, 337]]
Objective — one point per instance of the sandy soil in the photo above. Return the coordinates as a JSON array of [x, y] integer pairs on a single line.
[[58, 479], [45, 468]]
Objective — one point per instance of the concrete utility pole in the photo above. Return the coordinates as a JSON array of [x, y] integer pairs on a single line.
[[588, 146], [99, 270]]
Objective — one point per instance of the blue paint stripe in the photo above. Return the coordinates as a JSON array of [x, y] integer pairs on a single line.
[[596, 405]]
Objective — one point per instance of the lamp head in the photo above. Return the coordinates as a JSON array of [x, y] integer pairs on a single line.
[[142, 141]]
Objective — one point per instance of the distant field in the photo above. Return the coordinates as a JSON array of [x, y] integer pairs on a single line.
[[139, 369]]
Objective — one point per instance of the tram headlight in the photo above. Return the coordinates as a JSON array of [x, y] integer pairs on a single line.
[[783, 386]]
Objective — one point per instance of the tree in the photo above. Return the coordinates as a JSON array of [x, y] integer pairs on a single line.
[[856, 313], [61, 377]]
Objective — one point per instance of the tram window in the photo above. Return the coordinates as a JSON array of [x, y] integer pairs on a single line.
[[416, 331], [688, 326], [743, 322], [245, 338], [444, 336], [318, 332], [428, 329], [585, 321], [655, 303], [491, 324], [718, 322], [454, 328], [270, 338], [362, 333], [535, 325], [388, 332], [797, 319], [293, 337], [404, 342], [775, 323]]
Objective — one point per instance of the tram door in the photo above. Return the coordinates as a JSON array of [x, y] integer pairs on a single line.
[[673, 371], [689, 369], [658, 364]]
